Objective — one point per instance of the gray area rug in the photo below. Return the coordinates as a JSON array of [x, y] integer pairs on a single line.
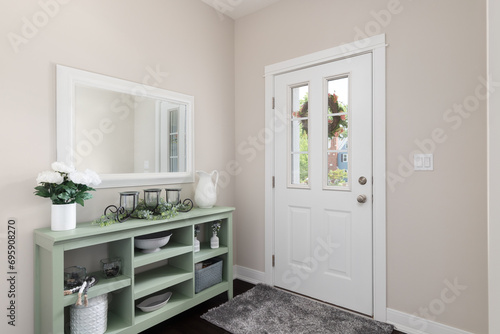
[[265, 309]]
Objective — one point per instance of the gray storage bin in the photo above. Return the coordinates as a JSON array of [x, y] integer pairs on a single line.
[[208, 276]]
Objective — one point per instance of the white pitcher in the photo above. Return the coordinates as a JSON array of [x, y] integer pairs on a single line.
[[206, 192]]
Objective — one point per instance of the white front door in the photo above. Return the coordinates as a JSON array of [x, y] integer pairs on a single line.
[[323, 183]]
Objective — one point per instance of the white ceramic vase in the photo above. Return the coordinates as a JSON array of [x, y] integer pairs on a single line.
[[63, 217], [196, 245], [206, 192], [214, 241]]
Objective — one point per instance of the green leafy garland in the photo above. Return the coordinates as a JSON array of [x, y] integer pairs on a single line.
[[163, 211]]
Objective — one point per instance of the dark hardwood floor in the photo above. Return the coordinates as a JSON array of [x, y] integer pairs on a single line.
[[189, 322]]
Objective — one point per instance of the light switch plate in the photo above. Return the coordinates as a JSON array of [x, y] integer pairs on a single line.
[[423, 162]]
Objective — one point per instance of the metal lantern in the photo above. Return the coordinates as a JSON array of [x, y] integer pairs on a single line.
[[129, 201], [152, 198], [173, 195], [128, 204], [174, 198]]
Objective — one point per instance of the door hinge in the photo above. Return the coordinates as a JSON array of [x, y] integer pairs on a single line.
[[273, 103], [273, 260], [274, 182]]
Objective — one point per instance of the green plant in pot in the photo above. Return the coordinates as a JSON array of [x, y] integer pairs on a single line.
[[65, 186]]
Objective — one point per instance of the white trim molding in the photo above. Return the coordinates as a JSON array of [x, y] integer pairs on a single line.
[[248, 275], [411, 324], [376, 46], [493, 121], [325, 56]]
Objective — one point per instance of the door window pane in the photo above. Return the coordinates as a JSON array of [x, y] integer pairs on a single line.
[[337, 169], [300, 101], [300, 169], [337, 133], [299, 137], [299, 141]]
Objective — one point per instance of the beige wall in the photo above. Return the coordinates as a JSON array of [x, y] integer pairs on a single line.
[[185, 40], [436, 220]]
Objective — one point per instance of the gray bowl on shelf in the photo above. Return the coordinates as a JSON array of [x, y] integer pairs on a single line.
[[152, 243], [154, 303]]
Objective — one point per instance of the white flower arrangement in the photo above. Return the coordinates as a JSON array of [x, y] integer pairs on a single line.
[[65, 185], [216, 227]]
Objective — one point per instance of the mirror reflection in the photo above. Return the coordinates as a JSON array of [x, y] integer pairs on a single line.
[[131, 134], [122, 133]]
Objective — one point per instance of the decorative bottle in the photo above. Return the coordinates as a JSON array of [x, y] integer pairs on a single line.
[[196, 242], [214, 241]]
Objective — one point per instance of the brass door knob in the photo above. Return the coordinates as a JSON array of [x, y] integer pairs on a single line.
[[361, 198]]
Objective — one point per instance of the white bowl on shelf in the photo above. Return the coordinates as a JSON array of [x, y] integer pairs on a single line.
[[154, 303], [151, 243]]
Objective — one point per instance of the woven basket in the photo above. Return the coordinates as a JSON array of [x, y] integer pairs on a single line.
[[92, 319], [206, 277]]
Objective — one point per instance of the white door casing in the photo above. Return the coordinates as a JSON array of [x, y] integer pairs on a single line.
[[376, 47], [323, 244]]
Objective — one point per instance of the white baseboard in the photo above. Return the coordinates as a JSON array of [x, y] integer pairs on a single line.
[[248, 275], [411, 324]]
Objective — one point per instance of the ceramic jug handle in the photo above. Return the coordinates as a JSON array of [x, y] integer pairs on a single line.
[[216, 177]]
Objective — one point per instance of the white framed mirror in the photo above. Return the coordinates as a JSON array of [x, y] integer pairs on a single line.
[[129, 133]]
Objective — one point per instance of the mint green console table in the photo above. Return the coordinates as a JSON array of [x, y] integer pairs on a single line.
[[176, 274]]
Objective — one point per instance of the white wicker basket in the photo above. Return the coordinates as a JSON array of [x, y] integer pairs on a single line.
[[92, 319]]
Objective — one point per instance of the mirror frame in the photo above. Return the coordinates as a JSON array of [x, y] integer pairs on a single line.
[[68, 78]]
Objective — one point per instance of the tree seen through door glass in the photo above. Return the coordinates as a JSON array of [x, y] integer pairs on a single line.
[[299, 148], [337, 125]]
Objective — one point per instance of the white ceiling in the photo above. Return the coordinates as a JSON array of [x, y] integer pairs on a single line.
[[239, 8]]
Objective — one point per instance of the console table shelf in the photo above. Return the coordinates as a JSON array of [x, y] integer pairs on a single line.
[[172, 268], [104, 286], [206, 252], [170, 250]]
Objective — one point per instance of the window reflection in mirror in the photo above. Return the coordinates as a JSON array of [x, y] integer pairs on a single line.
[[121, 133]]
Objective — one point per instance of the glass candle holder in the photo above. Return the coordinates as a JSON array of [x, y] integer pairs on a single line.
[[129, 200], [173, 195], [74, 276], [111, 267], [152, 198]]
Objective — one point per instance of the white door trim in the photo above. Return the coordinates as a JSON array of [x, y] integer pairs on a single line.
[[376, 45]]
